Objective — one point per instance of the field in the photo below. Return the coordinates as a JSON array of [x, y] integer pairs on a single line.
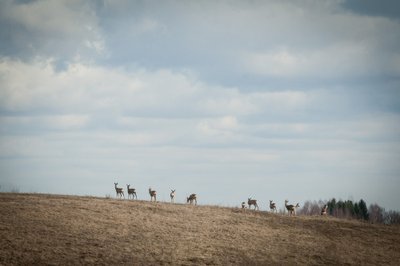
[[54, 230]]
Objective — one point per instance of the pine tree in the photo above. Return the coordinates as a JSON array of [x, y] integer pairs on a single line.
[[363, 209], [357, 211], [331, 206]]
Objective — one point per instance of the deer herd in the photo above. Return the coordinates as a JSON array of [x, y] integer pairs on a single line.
[[192, 198]]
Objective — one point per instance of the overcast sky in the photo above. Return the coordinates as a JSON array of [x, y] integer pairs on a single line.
[[296, 100]]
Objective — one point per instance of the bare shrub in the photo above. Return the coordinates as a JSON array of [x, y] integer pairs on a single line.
[[15, 190], [392, 217], [376, 213], [311, 207]]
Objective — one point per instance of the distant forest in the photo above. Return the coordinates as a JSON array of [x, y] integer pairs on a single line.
[[352, 210]]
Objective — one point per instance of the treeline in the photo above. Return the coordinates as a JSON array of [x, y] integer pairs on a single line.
[[352, 210]]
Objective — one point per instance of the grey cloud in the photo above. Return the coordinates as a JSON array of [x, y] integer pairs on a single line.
[[211, 39], [61, 30], [385, 8], [207, 38]]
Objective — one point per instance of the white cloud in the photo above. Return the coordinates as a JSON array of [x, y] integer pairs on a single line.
[[219, 127], [88, 88], [321, 41], [147, 25], [44, 122], [337, 61], [81, 88]]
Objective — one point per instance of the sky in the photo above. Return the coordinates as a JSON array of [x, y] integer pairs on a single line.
[[273, 100]]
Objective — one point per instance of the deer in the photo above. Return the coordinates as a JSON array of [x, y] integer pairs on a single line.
[[172, 195], [291, 208], [324, 210], [153, 194], [252, 202], [191, 198], [119, 191], [272, 206], [243, 205], [131, 191]]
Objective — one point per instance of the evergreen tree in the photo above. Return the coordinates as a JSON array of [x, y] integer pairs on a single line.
[[357, 211], [363, 209], [331, 206], [349, 208]]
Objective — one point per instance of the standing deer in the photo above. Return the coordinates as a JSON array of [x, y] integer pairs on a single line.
[[131, 191], [272, 206], [324, 210], [291, 208], [172, 195], [252, 202], [119, 191], [191, 198], [153, 194]]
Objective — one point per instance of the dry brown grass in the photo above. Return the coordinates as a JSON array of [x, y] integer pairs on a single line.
[[50, 229]]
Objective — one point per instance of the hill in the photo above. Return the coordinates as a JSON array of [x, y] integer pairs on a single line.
[[53, 229]]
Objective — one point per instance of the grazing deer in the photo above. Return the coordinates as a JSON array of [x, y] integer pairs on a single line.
[[153, 194], [131, 191], [252, 202], [119, 191], [191, 198], [272, 206], [324, 210], [172, 195], [291, 208], [243, 205]]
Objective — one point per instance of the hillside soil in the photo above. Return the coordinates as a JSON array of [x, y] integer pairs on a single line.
[[54, 230]]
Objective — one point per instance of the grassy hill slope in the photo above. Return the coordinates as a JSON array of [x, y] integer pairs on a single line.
[[51, 229]]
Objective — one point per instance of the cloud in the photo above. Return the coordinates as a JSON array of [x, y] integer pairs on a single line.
[[45, 122], [244, 43], [223, 127], [84, 89], [38, 87], [95, 97], [369, 7], [64, 30], [340, 61], [237, 44]]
